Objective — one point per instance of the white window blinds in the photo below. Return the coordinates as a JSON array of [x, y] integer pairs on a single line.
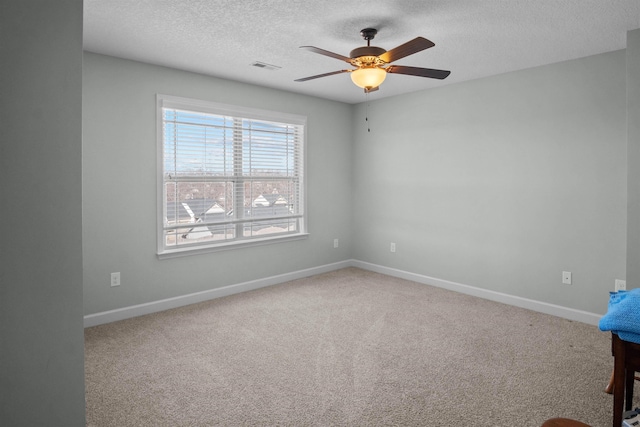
[[228, 175]]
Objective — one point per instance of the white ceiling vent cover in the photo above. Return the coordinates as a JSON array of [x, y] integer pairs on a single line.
[[265, 66]]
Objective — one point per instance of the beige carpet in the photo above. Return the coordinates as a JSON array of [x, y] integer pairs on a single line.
[[347, 348]]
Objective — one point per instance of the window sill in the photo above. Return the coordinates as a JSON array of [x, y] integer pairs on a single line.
[[181, 252]]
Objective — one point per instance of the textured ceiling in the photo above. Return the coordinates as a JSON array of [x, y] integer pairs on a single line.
[[472, 38]]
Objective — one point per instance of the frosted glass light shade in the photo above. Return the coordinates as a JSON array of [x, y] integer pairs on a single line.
[[368, 77]]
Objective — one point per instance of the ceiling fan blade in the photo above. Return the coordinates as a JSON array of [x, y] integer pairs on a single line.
[[409, 48], [326, 53], [304, 79], [416, 71]]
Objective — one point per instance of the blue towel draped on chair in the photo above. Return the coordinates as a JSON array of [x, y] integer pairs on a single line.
[[623, 315]]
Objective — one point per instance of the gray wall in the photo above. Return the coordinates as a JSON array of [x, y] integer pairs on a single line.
[[633, 158], [41, 325], [119, 191], [501, 183]]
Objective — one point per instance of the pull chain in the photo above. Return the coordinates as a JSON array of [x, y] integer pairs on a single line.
[[366, 119]]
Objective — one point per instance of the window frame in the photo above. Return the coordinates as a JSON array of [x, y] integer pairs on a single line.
[[215, 108]]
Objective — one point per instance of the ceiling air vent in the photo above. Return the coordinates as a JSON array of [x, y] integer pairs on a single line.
[[265, 66]]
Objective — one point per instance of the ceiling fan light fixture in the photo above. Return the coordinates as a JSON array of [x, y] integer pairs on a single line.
[[368, 77], [372, 64]]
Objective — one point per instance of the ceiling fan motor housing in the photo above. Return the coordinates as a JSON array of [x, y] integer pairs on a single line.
[[367, 56], [366, 51]]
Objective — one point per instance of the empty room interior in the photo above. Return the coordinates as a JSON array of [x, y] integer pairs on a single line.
[[515, 179]]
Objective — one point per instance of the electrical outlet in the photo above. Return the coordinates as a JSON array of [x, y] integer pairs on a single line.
[[392, 248], [115, 279], [335, 243], [566, 277], [621, 285]]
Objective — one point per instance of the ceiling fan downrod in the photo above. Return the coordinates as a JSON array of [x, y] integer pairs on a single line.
[[367, 56]]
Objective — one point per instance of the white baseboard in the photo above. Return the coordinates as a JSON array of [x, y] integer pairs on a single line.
[[180, 301], [541, 307]]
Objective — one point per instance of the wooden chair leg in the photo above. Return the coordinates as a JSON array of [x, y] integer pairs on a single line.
[[618, 380], [609, 388], [628, 393]]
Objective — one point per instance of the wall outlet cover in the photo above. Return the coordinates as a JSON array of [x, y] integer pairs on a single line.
[[115, 279]]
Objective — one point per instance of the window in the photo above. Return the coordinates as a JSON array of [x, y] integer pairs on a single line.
[[227, 176]]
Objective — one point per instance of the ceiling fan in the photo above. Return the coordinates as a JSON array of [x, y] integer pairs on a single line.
[[372, 63]]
